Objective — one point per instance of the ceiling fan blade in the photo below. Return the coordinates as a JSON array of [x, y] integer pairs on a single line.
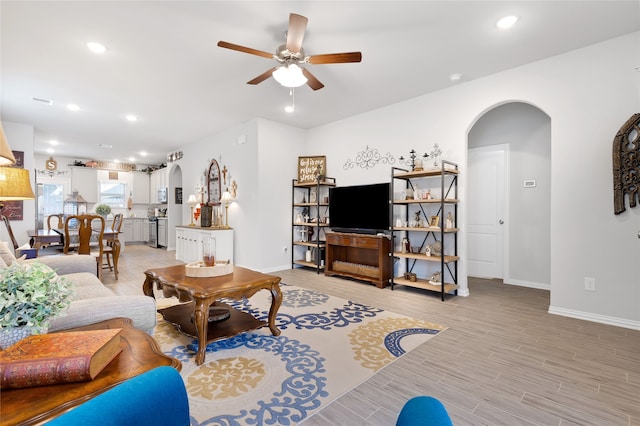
[[262, 77], [335, 58], [249, 50], [295, 33], [312, 81]]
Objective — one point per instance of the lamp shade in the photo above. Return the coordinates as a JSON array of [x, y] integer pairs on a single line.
[[192, 199], [6, 156], [226, 197], [15, 184], [290, 76]]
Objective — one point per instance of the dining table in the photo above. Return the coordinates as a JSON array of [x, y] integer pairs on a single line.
[[40, 237]]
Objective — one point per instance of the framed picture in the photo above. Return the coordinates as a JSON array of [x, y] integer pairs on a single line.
[[178, 195], [309, 168], [435, 221]]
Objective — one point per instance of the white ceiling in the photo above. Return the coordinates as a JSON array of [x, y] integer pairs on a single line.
[[163, 64]]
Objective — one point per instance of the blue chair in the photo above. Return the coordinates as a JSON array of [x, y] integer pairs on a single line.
[[423, 411], [157, 397]]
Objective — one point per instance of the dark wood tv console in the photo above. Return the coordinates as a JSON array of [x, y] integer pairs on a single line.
[[363, 257]]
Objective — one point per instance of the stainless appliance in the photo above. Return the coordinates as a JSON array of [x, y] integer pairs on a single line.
[[153, 232], [162, 195]]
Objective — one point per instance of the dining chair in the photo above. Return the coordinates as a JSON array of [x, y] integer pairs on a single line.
[[59, 217], [111, 248], [51, 220], [82, 233]]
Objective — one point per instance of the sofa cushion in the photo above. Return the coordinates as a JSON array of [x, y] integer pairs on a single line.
[[140, 309], [87, 286]]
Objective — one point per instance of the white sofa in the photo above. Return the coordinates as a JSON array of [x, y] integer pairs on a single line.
[[92, 300]]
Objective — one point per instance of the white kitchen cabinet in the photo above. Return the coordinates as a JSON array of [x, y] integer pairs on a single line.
[[162, 232], [135, 230], [85, 180], [157, 180], [140, 187], [127, 230], [189, 243]]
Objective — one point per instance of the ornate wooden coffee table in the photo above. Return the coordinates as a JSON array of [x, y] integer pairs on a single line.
[[140, 353], [192, 318]]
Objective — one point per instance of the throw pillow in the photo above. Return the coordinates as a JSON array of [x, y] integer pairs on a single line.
[[6, 254]]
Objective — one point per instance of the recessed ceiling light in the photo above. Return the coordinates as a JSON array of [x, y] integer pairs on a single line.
[[96, 47], [115, 160], [454, 78], [73, 107], [50, 150], [289, 108], [507, 22], [53, 142], [143, 153], [131, 118], [132, 159]]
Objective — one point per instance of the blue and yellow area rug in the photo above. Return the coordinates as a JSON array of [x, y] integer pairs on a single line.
[[327, 346]]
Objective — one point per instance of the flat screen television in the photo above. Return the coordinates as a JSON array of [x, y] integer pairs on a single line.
[[360, 209]]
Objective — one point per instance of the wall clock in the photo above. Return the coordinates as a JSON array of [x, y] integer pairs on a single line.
[[51, 164], [213, 184]]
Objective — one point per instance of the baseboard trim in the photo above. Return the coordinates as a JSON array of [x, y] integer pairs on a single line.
[[530, 284], [588, 316]]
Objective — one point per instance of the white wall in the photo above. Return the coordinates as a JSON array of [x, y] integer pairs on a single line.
[[279, 148], [589, 94]]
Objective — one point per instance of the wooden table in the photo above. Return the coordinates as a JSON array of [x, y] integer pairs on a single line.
[[203, 293], [140, 353], [37, 237]]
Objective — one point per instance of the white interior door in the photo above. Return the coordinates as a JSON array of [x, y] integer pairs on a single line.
[[486, 213]]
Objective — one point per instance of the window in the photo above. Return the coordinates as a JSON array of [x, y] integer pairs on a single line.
[[113, 194]]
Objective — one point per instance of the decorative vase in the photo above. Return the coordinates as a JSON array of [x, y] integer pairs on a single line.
[[9, 336]]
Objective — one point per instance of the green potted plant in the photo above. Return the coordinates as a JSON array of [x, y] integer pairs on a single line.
[[103, 210], [31, 295]]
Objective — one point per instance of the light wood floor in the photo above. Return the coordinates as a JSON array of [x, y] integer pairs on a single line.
[[502, 361]]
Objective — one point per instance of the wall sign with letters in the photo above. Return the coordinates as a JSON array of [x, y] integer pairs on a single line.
[[309, 168]]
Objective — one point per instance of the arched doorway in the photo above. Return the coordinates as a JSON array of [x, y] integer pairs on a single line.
[[509, 187]]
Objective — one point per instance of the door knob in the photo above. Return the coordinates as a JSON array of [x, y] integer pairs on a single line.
[[638, 234], [501, 222]]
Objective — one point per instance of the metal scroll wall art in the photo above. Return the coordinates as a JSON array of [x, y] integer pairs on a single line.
[[626, 165], [368, 158]]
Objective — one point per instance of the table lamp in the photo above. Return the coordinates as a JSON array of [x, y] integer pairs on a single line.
[[14, 186], [192, 201], [6, 155], [226, 199]]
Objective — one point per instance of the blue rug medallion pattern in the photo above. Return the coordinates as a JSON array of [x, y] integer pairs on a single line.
[[327, 346]]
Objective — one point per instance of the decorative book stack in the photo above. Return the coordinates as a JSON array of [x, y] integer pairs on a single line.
[[46, 359]]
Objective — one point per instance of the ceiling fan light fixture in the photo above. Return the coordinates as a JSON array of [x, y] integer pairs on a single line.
[[290, 76]]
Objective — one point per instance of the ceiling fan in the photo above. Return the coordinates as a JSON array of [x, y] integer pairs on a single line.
[[291, 55]]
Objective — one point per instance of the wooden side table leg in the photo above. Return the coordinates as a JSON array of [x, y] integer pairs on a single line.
[[201, 318], [276, 301]]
